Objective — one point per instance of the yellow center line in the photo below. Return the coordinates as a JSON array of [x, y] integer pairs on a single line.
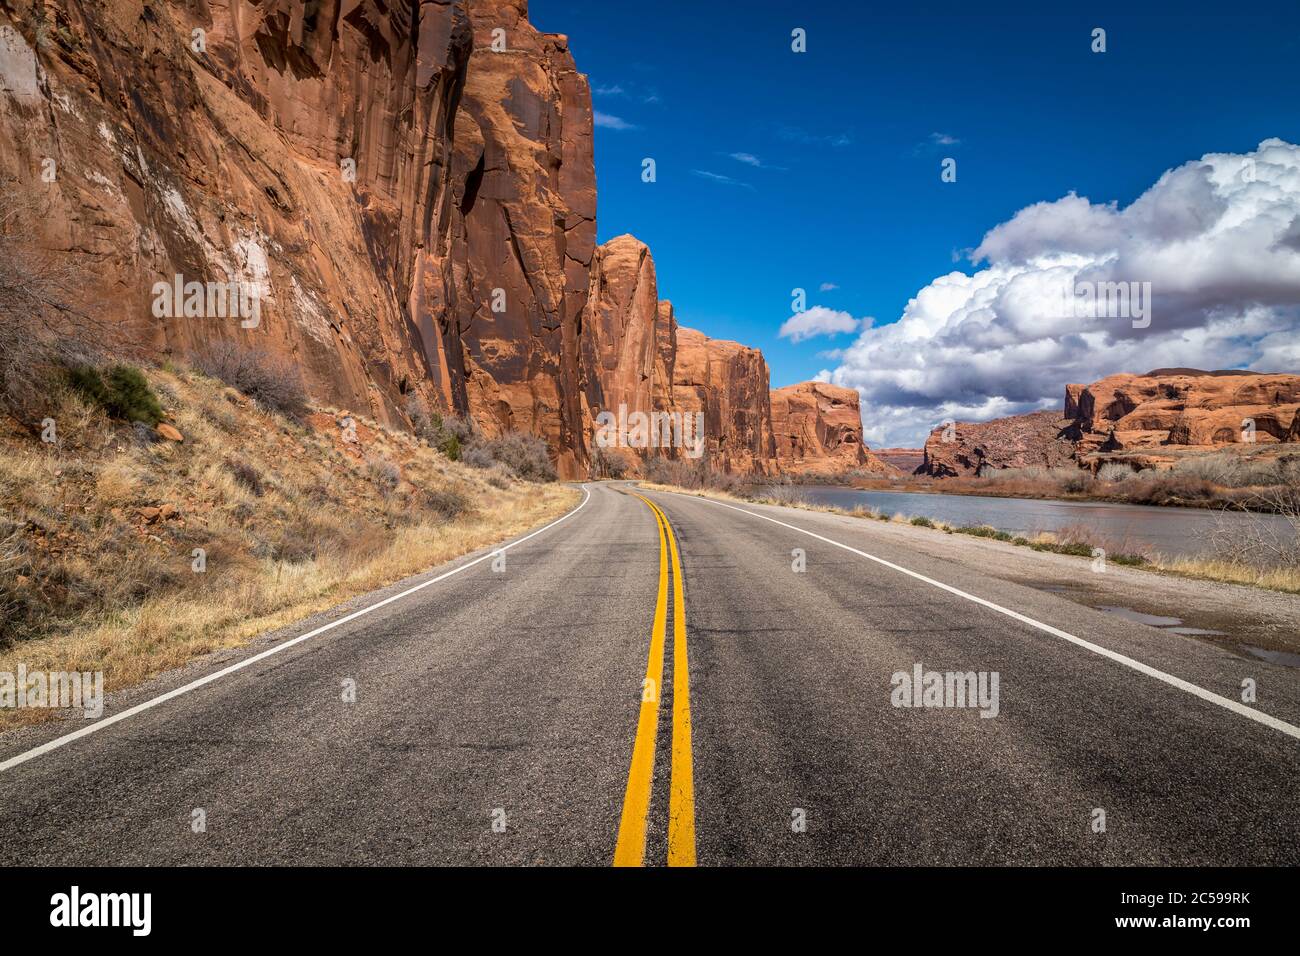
[[630, 849], [681, 793]]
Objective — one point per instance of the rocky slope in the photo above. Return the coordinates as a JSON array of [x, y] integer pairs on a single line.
[[1019, 441], [818, 428], [407, 190]]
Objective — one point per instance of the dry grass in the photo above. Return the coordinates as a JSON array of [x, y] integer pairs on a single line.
[[293, 520]]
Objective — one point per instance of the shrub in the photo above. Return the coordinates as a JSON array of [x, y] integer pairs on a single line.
[[448, 502], [123, 394], [273, 384], [922, 522], [693, 474], [448, 434], [526, 455], [606, 464], [248, 476], [1114, 471], [386, 475], [781, 493]]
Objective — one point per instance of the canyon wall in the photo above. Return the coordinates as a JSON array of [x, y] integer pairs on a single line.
[[407, 188], [304, 155], [1185, 407], [502, 299], [818, 429], [1188, 410]]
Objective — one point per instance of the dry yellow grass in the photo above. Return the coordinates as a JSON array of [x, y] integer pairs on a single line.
[[292, 520]]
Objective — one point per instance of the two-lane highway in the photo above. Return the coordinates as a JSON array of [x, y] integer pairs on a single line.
[[659, 678]]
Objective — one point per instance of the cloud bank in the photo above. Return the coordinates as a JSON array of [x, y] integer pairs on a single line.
[[1218, 239]]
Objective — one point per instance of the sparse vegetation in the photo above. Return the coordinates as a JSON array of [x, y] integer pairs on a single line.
[[273, 384], [607, 464], [527, 456], [98, 534], [447, 433], [124, 393], [1227, 479], [693, 474]]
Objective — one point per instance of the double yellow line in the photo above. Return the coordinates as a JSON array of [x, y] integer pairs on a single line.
[[630, 850]]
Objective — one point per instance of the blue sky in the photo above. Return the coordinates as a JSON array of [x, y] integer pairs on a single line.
[[779, 170]]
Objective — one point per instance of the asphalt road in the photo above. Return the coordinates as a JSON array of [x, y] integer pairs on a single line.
[[504, 717]]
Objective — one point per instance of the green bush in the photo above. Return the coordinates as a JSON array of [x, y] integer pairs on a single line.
[[923, 522], [123, 394]]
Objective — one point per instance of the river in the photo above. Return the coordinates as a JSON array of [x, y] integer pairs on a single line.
[[1174, 532]]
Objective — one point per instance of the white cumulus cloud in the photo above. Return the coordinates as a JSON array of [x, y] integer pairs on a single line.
[[818, 320], [1217, 239]]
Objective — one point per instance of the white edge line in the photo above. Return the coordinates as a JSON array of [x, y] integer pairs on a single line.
[[1195, 690], [98, 725]]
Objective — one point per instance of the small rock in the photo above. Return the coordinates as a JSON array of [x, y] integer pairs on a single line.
[[150, 514], [169, 432], [168, 511]]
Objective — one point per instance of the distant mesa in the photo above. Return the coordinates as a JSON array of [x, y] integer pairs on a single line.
[[1123, 416]]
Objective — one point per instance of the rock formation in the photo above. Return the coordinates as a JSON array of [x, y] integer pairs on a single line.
[[1131, 417], [905, 460], [1184, 407], [728, 383], [1019, 441], [818, 429], [301, 151], [504, 290], [407, 193]]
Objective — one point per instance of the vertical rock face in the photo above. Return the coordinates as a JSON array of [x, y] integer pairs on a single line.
[[623, 341], [640, 360], [406, 186], [502, 299], [818, 429], [728, 383], [300, 150]]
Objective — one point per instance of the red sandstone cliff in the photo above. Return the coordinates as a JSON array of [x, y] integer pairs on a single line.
[[640, 360], [728, 383], [1187, 408], [818, 429], [410, 192], [503, 321], [1182, 407], [302, 150]]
